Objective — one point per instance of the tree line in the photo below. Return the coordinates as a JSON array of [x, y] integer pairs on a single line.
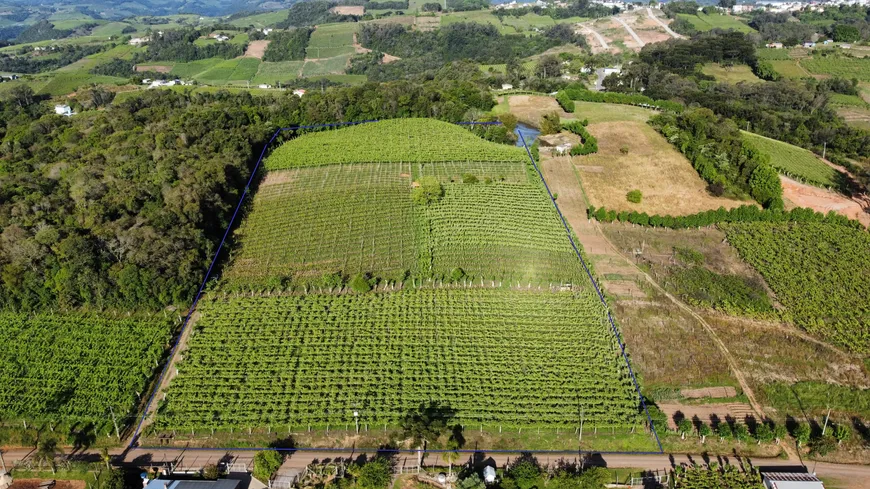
[[178, 45], [123, 207], [287, 45]]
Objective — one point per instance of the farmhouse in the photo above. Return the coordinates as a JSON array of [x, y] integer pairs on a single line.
[[299, 92], [138, 41], [780, 480], [774, 45]]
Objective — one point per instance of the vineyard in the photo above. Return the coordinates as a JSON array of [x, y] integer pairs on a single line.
[[819, 272], [75, 367], [500, 232], [843, 67], [391, 141], [307, 222], [795, 162], [496, 356]]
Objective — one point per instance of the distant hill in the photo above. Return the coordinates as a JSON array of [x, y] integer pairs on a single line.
[[117, 10]]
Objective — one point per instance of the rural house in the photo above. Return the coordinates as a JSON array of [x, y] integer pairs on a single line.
[[783, 480]]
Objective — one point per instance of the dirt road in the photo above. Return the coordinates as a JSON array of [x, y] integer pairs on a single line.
[[631, 32], [664, 26]]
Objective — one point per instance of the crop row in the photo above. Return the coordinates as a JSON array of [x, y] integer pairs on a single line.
[[76, 366], [391, 141], [494, 355]]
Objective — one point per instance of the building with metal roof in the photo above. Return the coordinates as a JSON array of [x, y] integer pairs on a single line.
[[193, 484], [787, 480]]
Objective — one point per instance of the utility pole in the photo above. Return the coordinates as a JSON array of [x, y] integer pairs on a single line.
[[824, 149], [115, 422]]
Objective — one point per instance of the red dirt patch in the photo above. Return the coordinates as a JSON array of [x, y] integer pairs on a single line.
[[709, 392], [822, 200], [738, 411], [34, 484], [256, 49], [155, 68]]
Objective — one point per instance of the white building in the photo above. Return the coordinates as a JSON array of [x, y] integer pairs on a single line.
[[299, 92], [507, 86], [265, 86], [266, 31], [138, 41], [774, 45], [221, 38], [64, 110]]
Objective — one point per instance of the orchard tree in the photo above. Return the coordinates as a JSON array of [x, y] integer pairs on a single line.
[[842, 433], [802, 433], [684, 427], [704, 431]]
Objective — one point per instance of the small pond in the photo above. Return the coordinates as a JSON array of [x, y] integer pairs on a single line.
[[529, 134]]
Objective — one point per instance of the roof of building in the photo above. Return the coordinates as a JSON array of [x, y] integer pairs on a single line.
[[787, 480], [193, 484]]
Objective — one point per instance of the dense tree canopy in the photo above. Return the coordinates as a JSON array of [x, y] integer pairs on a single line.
[[123, 207]]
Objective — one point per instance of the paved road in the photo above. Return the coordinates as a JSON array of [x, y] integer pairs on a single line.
[[848, 476], [633, 34], [665, 26]]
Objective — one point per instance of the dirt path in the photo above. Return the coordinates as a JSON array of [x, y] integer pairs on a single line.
[[171, 372], [664, 26], [618, 279], [630, 31], [598, 36]]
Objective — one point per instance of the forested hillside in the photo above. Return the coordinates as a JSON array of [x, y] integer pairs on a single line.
[[122, 208]]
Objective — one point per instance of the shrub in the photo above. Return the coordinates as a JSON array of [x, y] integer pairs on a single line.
[[360, 283], [565, 101], [525, 471], [210, 472], [623, 150], [457, 274], [551, 123], [634, 196], [375, 474], [468, 178], [428, 190], [266, 463]]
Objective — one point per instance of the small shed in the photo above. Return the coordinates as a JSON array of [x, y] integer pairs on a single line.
[[193, 484], [785, 480]]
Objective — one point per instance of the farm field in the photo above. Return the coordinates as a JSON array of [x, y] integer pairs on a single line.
[[467, 292], [705, 22], [97, 363], [498, 356], [819, 272], [847, 68], [265, 19], [795, 162], [64, 83], [327, 66], [331, 40], [665, 177], [789, 68], [280, 71], [405, 140], [730, 74]]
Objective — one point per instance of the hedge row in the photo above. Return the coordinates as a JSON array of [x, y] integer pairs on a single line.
[[744, 213], [573, 93], [565, 101], [589, 145]]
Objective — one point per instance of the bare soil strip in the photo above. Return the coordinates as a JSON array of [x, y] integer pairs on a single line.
[[256, 49]]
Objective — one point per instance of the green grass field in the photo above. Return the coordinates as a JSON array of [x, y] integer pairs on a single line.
[[789, 68], [328, 66], [730, 74], [704, 22], [265, 19], [193, 68], [479, 16], [772, 54], [843, 67], [795, 162], [218, 74], [273, 72], [66, 83]]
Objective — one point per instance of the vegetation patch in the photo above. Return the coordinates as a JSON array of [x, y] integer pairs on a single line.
[[796, 162], [820, 272], [391, 141]]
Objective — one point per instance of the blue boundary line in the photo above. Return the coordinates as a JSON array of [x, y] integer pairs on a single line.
[[202, 286], [598, 290]]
